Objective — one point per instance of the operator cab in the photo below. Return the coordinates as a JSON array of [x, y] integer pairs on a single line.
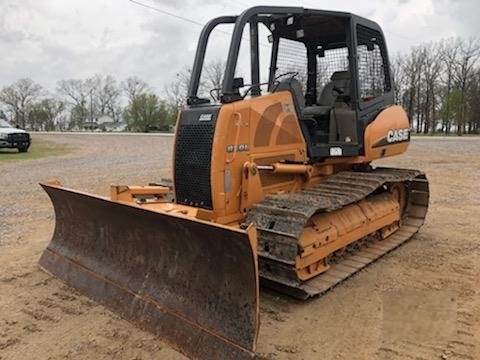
[[334, 64], [337, 66]]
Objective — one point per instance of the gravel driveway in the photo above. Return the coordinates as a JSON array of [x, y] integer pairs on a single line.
[[41, 318]]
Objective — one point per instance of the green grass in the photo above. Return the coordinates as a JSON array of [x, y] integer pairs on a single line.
[[38, 149]]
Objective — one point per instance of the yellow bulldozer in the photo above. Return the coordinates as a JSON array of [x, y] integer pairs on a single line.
[[273, 185]]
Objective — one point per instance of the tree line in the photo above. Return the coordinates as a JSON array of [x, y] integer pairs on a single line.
[[78, 104], [437, 83]]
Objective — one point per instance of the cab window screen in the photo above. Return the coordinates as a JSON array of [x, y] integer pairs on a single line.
[[373, 77], [333, 60], [292, 57]]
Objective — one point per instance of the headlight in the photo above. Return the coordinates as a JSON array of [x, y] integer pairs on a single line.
[[3, 136]]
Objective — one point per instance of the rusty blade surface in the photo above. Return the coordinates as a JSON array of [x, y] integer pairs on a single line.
[[194, 284]]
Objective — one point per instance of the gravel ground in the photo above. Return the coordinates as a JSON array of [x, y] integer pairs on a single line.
[[97, 161], [43, 319]]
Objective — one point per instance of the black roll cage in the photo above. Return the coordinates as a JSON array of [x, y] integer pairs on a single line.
[[252, 16], [267, 15]]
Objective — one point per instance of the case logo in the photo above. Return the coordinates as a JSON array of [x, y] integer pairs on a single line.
[[398, 135], [205, 117], [393, 136]]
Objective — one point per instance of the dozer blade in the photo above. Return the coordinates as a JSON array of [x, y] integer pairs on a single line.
[[193, 283]]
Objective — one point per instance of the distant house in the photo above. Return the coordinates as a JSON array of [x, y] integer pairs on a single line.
[[104, 123], [115, 127], [104, 119], [90, 125]]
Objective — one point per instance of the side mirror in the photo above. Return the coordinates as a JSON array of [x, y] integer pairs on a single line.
[[238, 83]]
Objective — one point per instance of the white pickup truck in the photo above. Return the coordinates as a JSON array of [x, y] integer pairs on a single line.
[[11, 137]]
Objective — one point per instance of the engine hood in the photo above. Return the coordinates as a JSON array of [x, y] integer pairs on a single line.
[[11, 131]]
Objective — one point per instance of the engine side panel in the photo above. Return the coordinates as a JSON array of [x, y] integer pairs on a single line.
[[261, 130], [388, 134]]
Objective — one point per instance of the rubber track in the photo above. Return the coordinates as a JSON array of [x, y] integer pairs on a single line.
[[280, 220]]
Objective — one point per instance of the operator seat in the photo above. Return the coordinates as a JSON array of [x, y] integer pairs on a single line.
[[339, 85], [323, 113]]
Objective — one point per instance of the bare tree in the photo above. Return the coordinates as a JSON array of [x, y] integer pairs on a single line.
[[76, 93], [432, 67], [448, 56], [210, 82], [417, 85], [213, 77], [398, 75], [43, 115], [474, 103], [176, 94], [177, 90], [17, 97], [411, 67], [464, 70], [105, 96], [440, 81], [133, 86]]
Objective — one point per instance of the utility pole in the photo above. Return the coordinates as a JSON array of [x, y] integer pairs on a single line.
[[91, 107]]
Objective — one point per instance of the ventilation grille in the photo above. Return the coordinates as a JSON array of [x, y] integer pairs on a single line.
[[19, 137], [193, 153]]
